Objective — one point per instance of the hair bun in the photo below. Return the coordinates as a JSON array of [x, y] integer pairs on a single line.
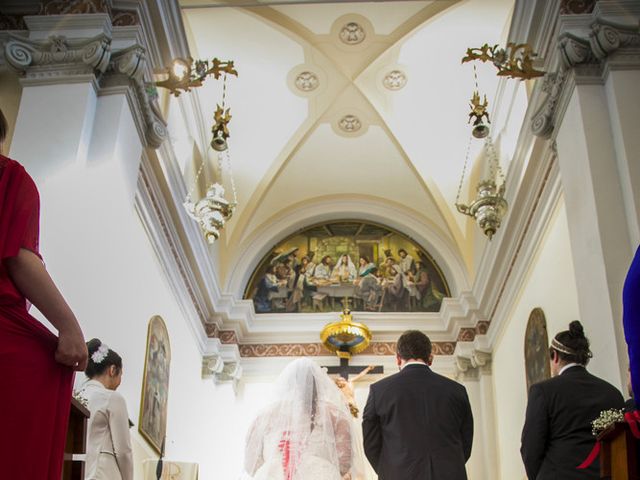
[[93, 345], [576, 330]]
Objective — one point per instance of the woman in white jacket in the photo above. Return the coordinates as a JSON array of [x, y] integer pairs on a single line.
[[108, 443]]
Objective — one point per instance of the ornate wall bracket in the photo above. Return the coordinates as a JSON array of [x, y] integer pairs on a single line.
[[215, 367], [131, 64], [471, 362], [604, 38]]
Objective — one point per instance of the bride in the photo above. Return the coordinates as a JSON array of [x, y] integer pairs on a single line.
[[306, 433]]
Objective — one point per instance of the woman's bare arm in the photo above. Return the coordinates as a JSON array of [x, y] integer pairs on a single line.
[[31, 278]]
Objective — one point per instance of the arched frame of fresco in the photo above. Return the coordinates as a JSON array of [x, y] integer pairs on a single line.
[[419, 286], [536, 348]]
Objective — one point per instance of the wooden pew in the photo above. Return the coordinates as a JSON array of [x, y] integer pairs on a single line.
[[618, 453], [76, 446]]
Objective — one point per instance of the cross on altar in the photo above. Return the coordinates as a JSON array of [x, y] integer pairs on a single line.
[[344, 370]]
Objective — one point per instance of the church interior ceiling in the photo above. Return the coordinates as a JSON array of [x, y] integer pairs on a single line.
[[345, 100]]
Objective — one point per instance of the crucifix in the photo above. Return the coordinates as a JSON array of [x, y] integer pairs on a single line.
[[344, 370], [344, 338]]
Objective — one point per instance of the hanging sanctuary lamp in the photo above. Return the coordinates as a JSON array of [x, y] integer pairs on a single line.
[[489, 206], [213, 210]]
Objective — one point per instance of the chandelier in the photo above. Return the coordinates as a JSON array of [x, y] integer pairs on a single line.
[[213, 210]]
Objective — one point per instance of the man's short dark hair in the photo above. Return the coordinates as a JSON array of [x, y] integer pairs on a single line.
[[414, 344]]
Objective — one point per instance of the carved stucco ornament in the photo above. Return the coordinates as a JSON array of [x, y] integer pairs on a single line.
[[603, 39], [352, 33], [78, 56], [469, 363], [395, 80], [350, 124], [307, 81]]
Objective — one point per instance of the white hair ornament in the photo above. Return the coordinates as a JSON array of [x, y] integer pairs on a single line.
[[100, 354]]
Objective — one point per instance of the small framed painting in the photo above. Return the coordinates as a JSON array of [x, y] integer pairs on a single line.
[[155, 384], [536, 349]]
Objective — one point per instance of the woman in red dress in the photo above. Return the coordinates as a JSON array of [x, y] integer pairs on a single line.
[[36, 367]]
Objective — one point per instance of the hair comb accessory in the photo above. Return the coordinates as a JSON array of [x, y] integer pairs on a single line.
[[100, 354]]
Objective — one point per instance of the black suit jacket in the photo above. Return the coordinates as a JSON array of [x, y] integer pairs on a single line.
[[557, 432], [418, 425]]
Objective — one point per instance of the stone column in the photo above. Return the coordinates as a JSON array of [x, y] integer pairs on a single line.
[[587, 112], [474, 372]]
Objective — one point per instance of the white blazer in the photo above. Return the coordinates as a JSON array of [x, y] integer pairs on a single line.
[[109, 443]]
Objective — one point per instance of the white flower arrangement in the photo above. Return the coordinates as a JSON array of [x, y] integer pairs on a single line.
[[80, 398], [100, 354], [606, 419]]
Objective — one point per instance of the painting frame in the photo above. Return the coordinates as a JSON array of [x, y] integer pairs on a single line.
[[536, 348], [152, 424]]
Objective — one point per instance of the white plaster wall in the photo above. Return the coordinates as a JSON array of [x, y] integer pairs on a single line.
[[83, 153], [115, 285], [550, 285]]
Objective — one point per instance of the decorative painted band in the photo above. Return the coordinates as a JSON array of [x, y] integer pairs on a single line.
[[318, 350]]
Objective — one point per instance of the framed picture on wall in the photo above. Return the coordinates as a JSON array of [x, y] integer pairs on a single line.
[[536, 348], [155, 384]]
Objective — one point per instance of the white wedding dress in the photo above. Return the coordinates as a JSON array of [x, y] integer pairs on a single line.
[[306, 434], [314, 463]]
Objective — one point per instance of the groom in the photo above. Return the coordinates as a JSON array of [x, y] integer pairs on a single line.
[[417, 424]]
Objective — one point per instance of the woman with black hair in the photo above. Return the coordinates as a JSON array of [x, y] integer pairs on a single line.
[[108, 444], [557, 436]]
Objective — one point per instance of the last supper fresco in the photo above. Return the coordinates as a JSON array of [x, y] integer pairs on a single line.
[[366, 266]]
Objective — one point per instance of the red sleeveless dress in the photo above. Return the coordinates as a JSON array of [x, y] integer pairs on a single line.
[[35, 392]]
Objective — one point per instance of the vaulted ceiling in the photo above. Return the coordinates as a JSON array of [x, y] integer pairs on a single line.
[[347, 100]]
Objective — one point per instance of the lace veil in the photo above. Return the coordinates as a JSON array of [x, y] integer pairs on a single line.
[[307, 426]]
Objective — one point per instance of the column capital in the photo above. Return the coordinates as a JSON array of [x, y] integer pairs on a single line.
[[58, 59], [588, 47]]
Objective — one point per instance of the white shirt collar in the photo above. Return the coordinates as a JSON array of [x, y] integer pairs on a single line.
[[414, 363], [568, 366]]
